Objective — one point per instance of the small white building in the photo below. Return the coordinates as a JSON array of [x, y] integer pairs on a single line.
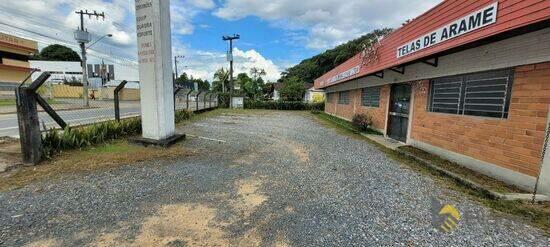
[[314, 95], [60, 71], [64, 71]]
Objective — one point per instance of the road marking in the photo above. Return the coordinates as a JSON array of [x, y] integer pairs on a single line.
[[207, 138]]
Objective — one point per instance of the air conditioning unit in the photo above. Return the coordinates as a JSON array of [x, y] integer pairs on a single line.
[[82, 36]]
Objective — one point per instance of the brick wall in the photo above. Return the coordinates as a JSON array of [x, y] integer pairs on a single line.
[[378, 114], [355, 107], [514, 143]]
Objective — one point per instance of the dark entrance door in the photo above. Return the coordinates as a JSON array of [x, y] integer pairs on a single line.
[[399, 111]]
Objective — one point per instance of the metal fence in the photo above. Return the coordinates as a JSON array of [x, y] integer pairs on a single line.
[[68, 102], [195, 100]]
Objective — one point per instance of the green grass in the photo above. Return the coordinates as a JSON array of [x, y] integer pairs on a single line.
[[537, 214], [107, 156], [346, 124], [12, 102], [109, 148], [487, 182]]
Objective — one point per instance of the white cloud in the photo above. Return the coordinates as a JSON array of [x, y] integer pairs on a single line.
[[203, 4], [54, 21], [328, 22], [202, 64]]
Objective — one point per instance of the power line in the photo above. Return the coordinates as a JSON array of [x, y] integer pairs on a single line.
[[48, 40]]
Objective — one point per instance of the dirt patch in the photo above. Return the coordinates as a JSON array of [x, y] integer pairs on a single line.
[[103, 157], [249, 196], [186, 224], [299, 151], [247, 159], [51, 242], [10, 154], [194, 224], [190, 223]]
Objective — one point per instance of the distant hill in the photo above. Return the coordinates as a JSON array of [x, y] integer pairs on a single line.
[[310, 69]]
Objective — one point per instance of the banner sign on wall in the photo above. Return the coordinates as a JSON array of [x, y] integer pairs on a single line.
[[466, 24], [345, 74]]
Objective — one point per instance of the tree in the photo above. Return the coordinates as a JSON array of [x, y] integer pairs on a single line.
[[257, 73], [183, 80], [57, 52], [221, 79], [293, 89], [312, 68]]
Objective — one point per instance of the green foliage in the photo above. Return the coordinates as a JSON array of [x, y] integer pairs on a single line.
[[182, 115], [189, 82], [57, 52], [55, 141], [362, 121], [293, 89], [283, 105], [310, 69], [223, 100], [221, 80]]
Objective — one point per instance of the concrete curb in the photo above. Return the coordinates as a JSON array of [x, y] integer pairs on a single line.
[[475, 186], [463, 181]]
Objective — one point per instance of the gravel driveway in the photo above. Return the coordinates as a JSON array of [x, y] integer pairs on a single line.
[[272, 179]]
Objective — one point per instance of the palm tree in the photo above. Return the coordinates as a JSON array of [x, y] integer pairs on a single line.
[[257, 72], [222, 75]]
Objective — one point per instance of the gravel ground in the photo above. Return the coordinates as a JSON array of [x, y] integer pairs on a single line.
[[273, 179]]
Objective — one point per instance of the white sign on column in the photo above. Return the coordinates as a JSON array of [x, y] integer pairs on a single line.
[[155, 68]]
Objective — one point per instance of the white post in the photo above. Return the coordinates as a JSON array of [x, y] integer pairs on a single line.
[[155, 68], [544, 177]]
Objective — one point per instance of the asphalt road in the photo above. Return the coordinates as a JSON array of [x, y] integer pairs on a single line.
[[8, 122], [254, 179], [9, 127]]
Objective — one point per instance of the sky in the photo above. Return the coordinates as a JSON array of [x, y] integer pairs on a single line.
[[275, 34]]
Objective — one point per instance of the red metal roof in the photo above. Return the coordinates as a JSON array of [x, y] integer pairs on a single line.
[[511, 14]]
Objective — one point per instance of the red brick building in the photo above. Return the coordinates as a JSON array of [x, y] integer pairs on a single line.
[[467, 80]]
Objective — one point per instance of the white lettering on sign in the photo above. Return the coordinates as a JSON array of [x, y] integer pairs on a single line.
[[345, 74], [466, 24], [144, 28]]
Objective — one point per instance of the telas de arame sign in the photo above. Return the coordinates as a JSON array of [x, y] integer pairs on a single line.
[[478, 19]]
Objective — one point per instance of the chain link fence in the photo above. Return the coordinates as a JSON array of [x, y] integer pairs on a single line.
[[192, 100], [68, 101], [75, 110]]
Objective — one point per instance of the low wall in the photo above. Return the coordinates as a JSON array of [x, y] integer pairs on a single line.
[[66, 91]]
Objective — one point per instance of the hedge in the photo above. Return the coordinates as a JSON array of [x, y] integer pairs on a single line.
[[283, 105], [55, 140]]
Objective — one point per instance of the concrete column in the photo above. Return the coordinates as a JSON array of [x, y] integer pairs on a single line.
[[155, 68]]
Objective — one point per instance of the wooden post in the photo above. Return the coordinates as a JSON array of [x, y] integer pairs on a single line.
[[29, 126]]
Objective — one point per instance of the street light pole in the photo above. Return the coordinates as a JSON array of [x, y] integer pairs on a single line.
[[176, 65]]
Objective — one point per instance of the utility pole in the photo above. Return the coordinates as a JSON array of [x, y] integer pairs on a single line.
[[83, 37], [230, 59], [176, 65]]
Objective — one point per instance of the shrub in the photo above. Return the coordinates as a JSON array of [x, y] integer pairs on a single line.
[[283, 105], [182, 115], [362, 121], [223, 100], [55, 141]]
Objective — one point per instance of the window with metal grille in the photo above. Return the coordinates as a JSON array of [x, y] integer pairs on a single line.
[[479, 94], [370, 96], [343, 98], [329, 97]]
